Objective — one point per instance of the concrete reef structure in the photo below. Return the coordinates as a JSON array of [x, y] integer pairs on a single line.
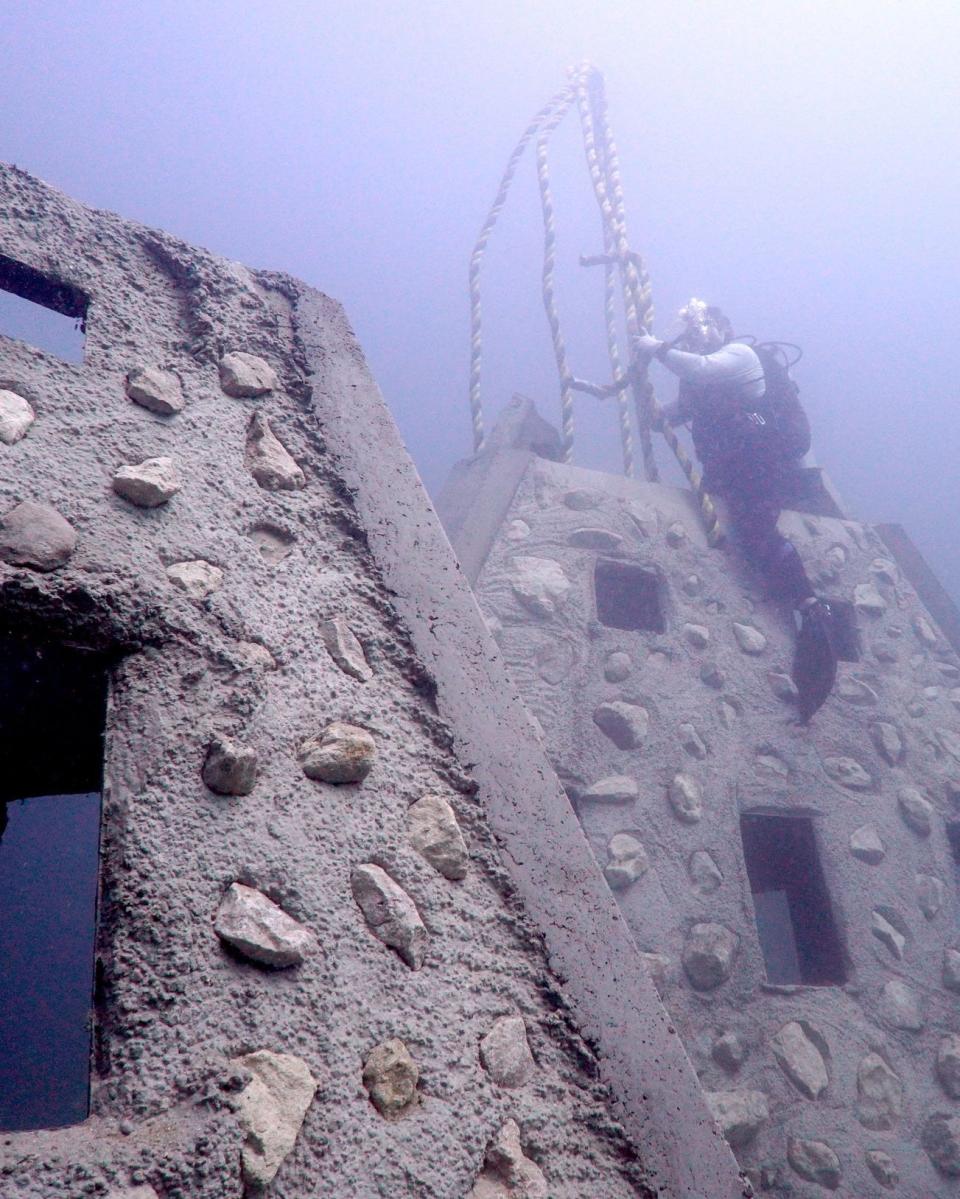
[[792, 889], [351, 938]]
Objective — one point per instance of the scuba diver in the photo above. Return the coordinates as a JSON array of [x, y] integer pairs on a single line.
[[750, 432]]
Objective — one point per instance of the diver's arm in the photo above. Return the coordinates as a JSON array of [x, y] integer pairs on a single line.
[[725, 365]]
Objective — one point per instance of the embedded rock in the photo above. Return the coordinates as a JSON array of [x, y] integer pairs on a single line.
[[948, 1064], [625, 724], [867, 599], [856, 692], [848, 773], [692, 742], [708, 955], [931, 894], [705, 875], [342, 753], [507, 1173], [615, 789], [949, 742], [750, 640], [345, 649], [900, 1007], [197, 577], [147, 484], [506, 1054], [800, 1059], [889, 743], [924, 631], [644, 518], [595, 539], [36, 535], [390, 1076], [580, 500], [866, 845], [138, 1192], [815, 1161], [941, 1140], [435, 834], [256, 927], [16, 417], [729, 1052], [658, 966], [782, 686], [627, 861], [540, 585], [267, 458], [879, 1094], [390, 913], [712, 675], [245, 376], [888, 933], [517, 530], [676, 534], [272, 1108], [230, 768], [697, 634], [686, 798], [882, 1166], [739, 1114], [159, 391], [617, 667], [917, 812], [951, 969]]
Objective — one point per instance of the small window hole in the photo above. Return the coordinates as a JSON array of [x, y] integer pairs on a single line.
[[45, 312], [628, 597]]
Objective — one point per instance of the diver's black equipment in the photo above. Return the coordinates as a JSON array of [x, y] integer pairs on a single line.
[[814, 658]]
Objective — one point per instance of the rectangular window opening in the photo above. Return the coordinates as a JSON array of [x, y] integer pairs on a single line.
[[52, 713], [845, 631], [45, 312], [628, 597], [798, 935]]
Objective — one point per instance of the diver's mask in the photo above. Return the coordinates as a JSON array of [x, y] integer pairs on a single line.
[[704, 327]]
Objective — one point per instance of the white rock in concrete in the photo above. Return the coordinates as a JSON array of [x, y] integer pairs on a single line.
[[246, 376], [644, 518], [848, 773], [889, 743], [949, 742], [782, 686], [815, 1161], [692, 742], [36, 535], [390, 913], [272, 1110], [148, 484], [941, 1140], [159, 391], [931, 894], [900, 1007], [625, 724], [614, 789], [268, 460], [729, 1052], [951, 969], [739, 1114], [540, 585], [390, 1076], [888, 934], [506, 1054], [595, 539], [627, 861], [342, 753], [884, 569], [882, 1166], [507, 1173], [856, 692], [16, 417], [708, 955], [916, 811], [196, 577], [924, 630], [617, 667], [676, 534], [581, 500], [750, 640], [948, 1064], [229, 767], [800, 1059], [697, 634], [435, 834], [705, 875], [867, 599], [256, 927], [686, 798], [658, 967], [345, 649], [866, 845], [879, 1094], [712, 675], [517, 530]]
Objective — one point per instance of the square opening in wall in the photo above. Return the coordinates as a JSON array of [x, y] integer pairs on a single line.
[[798, 935], [845, 632], [628, 597], [45, 312]]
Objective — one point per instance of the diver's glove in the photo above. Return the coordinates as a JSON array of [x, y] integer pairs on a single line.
[[645, 347]]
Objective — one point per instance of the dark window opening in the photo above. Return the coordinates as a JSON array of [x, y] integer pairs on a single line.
[[846, 635], [52, 711], [798, 935], [45, 312], [953, 839], [628, 597]]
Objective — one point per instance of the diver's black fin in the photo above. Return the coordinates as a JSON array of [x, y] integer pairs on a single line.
[[814, 659]]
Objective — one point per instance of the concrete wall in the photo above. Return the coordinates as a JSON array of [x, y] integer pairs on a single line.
[[401, 998], [669, 737]]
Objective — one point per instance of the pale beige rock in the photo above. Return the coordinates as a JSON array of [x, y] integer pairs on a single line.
[[157, 390], [148, 484], [676, 534], [435, 834], [345, 649], [36, 535], [196, 577], [888, 934], [705, 875], [879, 1094], [815, 1161], [884, 569], [951, 969], [924, 630], [245, 376], [615, 789], [708, 955], [595, 538], [658, 967], [517, 530], [507, 1172], [505, 1052], [697, 634], [625, 724], [268, 460], [738, 1113], [390, 912], [729, 1052], [848, 773], [867, 599], [644, 519], [272, 1107], [261, 930], [941, 1140], [889, 743], [782, 686], [390, 1076], [916, 811], [686, 798], [900, 1006], [16, 417], [865, 844], [882, 1166], [540, 585], [949, 742], [856, 692], [617, 667], [627, 861], [931, 894], [229, 767], [342, 753], [750, 640], [800, 1059], [692, 742]]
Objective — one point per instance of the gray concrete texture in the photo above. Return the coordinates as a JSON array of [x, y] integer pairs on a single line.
[[664, 739], [272, 570]]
